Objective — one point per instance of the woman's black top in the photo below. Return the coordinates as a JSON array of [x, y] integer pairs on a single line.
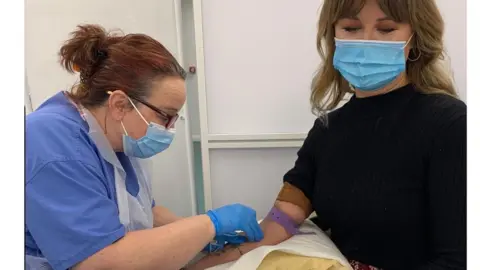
[[387, 175]]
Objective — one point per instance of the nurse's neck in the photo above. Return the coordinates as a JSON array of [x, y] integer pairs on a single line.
[[110, 127]]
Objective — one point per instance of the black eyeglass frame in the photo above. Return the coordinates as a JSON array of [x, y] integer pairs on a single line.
[[171, 120]]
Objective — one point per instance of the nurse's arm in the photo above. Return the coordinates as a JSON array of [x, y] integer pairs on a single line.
[[167, 247], [162, 216], [75, 224], [273, 234]]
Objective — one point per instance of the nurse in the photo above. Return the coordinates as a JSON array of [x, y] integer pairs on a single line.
[[88, 200]]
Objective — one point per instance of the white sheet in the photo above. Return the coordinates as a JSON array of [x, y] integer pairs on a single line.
[[318, 245]]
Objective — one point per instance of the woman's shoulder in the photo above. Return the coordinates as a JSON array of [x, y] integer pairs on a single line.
[[442, 102], [440, 109]]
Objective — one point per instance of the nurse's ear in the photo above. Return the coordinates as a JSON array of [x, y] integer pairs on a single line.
[[118, 104]]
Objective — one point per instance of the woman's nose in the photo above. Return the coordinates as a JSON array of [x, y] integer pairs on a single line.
[[368, 33]]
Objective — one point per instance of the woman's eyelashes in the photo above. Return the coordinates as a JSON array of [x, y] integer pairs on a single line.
[[356, 29], [351, 29], [386, 30]]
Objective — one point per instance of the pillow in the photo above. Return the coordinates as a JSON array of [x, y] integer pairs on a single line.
[[300, 252], [279, 260]]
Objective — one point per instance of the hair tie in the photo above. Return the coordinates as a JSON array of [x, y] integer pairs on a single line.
[[101, 55]]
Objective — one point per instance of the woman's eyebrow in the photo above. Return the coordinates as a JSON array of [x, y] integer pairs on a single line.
[[386, 18], [350, 17], [354, 17]]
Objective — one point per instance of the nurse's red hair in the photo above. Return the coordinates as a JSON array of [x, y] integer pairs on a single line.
[[109, 61]]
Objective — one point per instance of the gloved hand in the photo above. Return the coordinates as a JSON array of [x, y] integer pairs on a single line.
[[230, 218], [222, 240]]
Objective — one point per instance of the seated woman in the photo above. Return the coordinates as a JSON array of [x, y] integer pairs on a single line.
[[386, 173]]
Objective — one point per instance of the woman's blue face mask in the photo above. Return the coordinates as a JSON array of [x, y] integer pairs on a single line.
[[369, 65]]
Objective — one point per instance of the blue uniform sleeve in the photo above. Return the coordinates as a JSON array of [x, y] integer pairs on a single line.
[[69, 213]]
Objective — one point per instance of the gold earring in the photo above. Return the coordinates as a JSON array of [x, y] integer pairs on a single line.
[[419, 54]]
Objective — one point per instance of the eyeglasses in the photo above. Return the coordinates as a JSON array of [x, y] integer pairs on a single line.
[[169, 119]]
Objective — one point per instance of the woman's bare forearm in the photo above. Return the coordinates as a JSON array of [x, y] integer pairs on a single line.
[[274, 234], [167, 247], [228, 255]]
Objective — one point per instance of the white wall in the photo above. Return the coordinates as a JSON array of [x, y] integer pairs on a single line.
[[27, 102], [259, 60], [454, 14], [249, 176]]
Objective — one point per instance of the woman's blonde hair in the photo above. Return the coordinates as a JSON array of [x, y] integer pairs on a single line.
[[427, 73]]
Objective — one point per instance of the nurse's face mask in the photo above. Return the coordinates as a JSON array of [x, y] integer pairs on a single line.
[[156, 139]]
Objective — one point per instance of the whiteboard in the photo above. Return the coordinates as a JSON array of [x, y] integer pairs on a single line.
[[260, 57]]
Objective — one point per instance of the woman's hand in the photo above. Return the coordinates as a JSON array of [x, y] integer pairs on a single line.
[[274, 234], [222, 240], [229, 254], [236, 217]]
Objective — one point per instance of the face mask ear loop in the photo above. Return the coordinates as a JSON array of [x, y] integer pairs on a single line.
[[419, 54], [408, 41], [124, 130], [135, 107]]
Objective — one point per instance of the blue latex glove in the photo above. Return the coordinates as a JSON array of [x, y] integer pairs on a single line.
[[222, 240], [236, 217]]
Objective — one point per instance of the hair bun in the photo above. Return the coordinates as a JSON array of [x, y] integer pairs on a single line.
[[115, 61], [84, 49]]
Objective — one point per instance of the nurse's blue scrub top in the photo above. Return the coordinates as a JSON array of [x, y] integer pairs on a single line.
[[71, 208]]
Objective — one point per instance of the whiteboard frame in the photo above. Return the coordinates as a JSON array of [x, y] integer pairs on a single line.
[[273, 140], [202, 102], [254, 144], [189, 147]]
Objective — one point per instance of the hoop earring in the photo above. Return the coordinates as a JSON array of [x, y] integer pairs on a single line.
[[419, 54]]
